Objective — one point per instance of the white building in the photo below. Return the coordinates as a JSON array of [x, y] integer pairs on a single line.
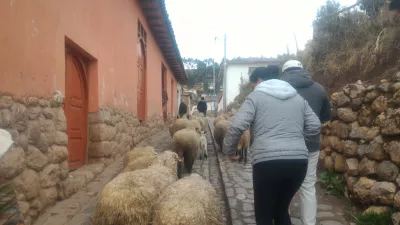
[[241, 67]]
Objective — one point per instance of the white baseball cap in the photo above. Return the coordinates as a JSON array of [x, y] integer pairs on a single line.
[[292, 64], [5, 141]]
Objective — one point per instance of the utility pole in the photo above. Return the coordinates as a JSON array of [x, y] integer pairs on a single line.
[[214, 94], [225, 86], [287, 49], [295, 40]]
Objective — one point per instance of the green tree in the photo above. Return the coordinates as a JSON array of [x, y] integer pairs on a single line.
[[372, 7]]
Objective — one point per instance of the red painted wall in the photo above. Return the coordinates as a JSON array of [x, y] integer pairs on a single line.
[[32, 56]]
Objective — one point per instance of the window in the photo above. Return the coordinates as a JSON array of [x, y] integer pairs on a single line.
[[142, 35], [251, 69]]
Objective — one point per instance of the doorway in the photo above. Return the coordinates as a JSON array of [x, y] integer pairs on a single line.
[[76, 108], [164, 91]]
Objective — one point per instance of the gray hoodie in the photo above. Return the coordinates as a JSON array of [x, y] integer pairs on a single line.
[[316, 97], [279, 121]]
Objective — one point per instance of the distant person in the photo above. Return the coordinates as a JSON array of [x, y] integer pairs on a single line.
[[202, 106], [318, 99], [182, 110], [279, 119]]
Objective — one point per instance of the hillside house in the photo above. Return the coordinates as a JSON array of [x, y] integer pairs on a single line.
[[82, 82]]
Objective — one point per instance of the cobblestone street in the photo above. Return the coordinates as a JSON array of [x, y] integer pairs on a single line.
[[239, 190]]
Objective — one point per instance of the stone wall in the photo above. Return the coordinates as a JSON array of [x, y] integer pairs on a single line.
[[363, 141], [37, 164]]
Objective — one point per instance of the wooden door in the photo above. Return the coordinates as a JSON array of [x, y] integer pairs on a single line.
[[76, 110], [141, 89]]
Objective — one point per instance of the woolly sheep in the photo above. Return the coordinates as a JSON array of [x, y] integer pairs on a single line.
[[168, 159], [203, 147], [219, 131], [216, 120], [129, 198], [141, 162], [190, 201], [186, 143], [183, 123], [243, 146], [136, 153]]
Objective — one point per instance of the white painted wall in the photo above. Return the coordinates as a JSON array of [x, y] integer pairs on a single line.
[[233, 74]]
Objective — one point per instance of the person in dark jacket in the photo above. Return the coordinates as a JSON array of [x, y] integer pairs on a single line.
[[202, 106], [279, 119], [182, 110], [318, 99]]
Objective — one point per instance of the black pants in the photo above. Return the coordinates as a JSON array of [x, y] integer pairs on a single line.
[[275, 183]]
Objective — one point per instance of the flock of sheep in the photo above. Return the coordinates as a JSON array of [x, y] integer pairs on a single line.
[[151, 190]]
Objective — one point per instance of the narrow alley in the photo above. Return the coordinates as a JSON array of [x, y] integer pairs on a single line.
[[231, 180]]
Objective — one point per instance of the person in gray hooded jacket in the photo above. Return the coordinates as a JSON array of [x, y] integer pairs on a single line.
[[318, 99], [279, 121]]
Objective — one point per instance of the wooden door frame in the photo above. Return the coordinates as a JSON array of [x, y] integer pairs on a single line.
[[143, 47], [83, 66]]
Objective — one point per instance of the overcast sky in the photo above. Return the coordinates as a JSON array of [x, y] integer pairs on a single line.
[[254, 28]]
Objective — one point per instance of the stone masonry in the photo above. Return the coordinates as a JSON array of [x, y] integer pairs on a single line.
[[37, 164], [363, 141]]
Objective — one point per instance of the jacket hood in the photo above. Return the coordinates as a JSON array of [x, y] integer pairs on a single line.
[[277, 88], [298, 78]]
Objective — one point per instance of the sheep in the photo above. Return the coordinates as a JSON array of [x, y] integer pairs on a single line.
[[190, 201], [183, 123], [129, 198], [168, 159], [202, 121], [219, 131], [216, 120], [243, 146], [203, 147], [186, 143], [137, 152], [141, 162]]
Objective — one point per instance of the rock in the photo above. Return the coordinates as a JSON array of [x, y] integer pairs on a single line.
[[33, 132], [384, 87], [396, 218], [27, 183], [23, 207], [387, 171], [5, 118], [347, 115], [6, 102], [18, 114], [376, 210], [362, 150], [379, 105], [370, 96], [44, 103], [352, 167], [340, 164], [364, 117], [72, 184], [100, 149], [60, 138], [383, 193], [50, 175], [362, 189], [373, 133], [22, 141], [380, 120], [368, 167], [328, 163], [351, 181], [48, 113], [102, 116], [31, 101], [375, 149], [356, 103], [48, 196], [354, 90], [12, 163], [57, 154], [101, 132], [393, 149], [64, 169], [339, 99], [396, 97], [34, 112], [350, 148], [340, 129], [335, 143], [359, 133], [60, 120], [391, 125], [35, 159]]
